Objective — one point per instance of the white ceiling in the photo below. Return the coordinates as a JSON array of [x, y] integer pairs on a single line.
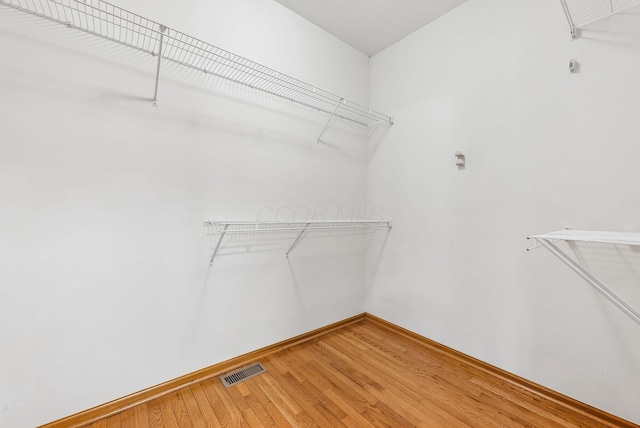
[[370, 25]]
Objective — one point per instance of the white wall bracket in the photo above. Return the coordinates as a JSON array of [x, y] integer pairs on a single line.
[[215, 251], [330, 118], [567, 13], [549, 240], [574, 66], [163, 30]]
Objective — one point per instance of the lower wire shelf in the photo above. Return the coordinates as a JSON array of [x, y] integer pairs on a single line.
[[225, 228], [548, 241]]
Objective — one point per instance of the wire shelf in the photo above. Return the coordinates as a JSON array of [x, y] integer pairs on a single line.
[[113, 23], [295, 229], [550, 240], [622, 238], [583, 12]]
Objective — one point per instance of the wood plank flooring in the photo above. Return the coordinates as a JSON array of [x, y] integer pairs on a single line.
[[360, 376]]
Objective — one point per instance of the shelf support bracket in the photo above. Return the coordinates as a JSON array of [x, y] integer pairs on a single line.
[[590, 278], [163, 29], [297, 239], [215, 251], [567, 14], [330, 118]]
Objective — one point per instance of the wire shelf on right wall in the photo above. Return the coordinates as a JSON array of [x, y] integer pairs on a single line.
[[583, 12]]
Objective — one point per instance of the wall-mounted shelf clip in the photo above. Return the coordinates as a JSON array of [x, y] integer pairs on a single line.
[[163, 30]]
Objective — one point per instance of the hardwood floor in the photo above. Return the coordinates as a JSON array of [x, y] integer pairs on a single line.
[[362, 375]]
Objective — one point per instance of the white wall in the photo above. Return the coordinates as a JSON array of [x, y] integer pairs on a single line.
[[104, 282], [104, 279], [545, 150]]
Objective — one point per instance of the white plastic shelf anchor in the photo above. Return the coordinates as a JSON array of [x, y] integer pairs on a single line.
[[548, 241], [226, 228]]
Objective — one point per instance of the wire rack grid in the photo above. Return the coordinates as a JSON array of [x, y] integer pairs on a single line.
[[293, 231], [243, 227], [113, 23], [583, 12]]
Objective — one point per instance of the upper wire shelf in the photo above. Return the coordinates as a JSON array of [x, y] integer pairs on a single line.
[[113, 23], [297, 228], [583, 12], [602, 237]]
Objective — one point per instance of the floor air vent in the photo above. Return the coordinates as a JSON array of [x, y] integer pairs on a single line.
[[240, 375]]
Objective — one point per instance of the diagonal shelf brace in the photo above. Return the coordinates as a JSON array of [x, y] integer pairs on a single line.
[[215, 251], [330, 119], [293, 245], [584, 273], [163, 29]]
